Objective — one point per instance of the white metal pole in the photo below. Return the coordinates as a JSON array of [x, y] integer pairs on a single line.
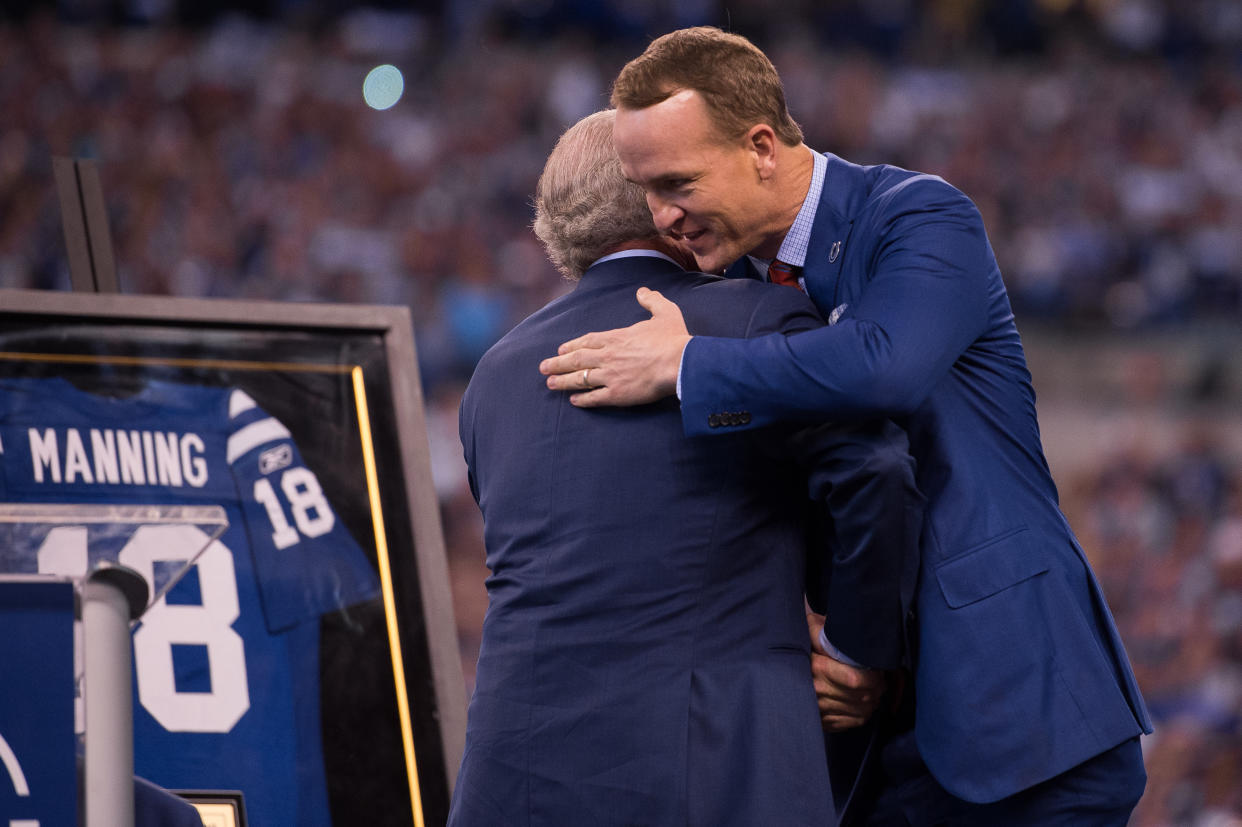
[[108, 604]]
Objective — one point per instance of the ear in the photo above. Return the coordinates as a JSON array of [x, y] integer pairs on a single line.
[[761, 142]]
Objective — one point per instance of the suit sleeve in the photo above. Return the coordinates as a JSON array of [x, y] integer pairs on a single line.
[[864, 559], [933, 279], [864, 555]]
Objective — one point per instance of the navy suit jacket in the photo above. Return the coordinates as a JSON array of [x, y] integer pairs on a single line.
[[645, 656], [1020, 671]]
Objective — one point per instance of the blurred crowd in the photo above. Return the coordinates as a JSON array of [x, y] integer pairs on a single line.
[[1164, 533], [1102, 140]]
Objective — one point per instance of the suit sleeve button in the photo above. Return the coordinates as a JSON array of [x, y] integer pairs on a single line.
[[745, 417], [713, 420]]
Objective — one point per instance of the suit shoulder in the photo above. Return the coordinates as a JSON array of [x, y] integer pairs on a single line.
[[896, 189]]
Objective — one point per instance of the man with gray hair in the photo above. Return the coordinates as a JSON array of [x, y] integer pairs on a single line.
[[645, 657]]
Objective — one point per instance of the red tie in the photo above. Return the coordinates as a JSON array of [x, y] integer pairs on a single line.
[[781, 273]]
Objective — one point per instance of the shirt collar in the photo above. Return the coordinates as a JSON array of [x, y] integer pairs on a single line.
[[794, 247], [632, 254]]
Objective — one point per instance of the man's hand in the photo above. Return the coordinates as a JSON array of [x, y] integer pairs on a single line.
[[847, 695], [629, 366]]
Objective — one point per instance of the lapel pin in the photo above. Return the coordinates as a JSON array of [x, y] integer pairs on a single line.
[[834, 252]]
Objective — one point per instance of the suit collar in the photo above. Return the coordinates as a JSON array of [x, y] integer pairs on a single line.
[[844, 193], [612, 270], [634, 253]]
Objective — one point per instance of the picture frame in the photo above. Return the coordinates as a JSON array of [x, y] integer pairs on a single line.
[[344, 380]]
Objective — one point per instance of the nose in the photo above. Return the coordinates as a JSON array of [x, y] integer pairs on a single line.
[[664, 213]]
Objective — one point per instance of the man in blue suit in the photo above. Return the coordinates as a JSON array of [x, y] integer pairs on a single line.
[[1023, 709], [645, 656]]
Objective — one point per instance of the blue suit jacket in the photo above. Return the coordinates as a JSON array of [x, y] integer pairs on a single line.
[[1020, 670], [645, 654]]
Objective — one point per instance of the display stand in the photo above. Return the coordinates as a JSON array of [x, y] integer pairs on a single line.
[[38, 784], [91, 547], [111, 597]]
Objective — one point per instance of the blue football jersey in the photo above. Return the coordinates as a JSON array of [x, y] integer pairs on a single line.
[[226, 663]]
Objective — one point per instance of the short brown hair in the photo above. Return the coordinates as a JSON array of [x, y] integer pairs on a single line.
[[584, 206], [737, 81]]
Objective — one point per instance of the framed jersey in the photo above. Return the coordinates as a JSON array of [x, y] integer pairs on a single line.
[[306, 666]]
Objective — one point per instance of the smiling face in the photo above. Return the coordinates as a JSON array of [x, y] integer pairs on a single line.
[[712, 194]]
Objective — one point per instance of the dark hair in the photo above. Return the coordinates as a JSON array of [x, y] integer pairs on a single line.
[[737, 81]]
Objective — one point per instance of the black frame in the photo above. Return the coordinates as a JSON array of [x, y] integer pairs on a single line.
[[363, 352]]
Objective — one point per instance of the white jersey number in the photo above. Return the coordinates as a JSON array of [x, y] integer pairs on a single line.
[[209, 624], [310, 508]]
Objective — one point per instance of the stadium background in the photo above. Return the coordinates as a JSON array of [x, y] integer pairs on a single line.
[[1102, 140]]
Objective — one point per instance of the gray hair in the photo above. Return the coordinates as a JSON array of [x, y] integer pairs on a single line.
[[584, 206]]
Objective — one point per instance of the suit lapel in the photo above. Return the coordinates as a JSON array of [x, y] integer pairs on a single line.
[[844, 191]]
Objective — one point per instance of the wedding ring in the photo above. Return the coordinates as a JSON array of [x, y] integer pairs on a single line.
[[586, 383]]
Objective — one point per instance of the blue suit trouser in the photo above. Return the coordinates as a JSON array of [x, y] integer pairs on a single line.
[[1100, 792]]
